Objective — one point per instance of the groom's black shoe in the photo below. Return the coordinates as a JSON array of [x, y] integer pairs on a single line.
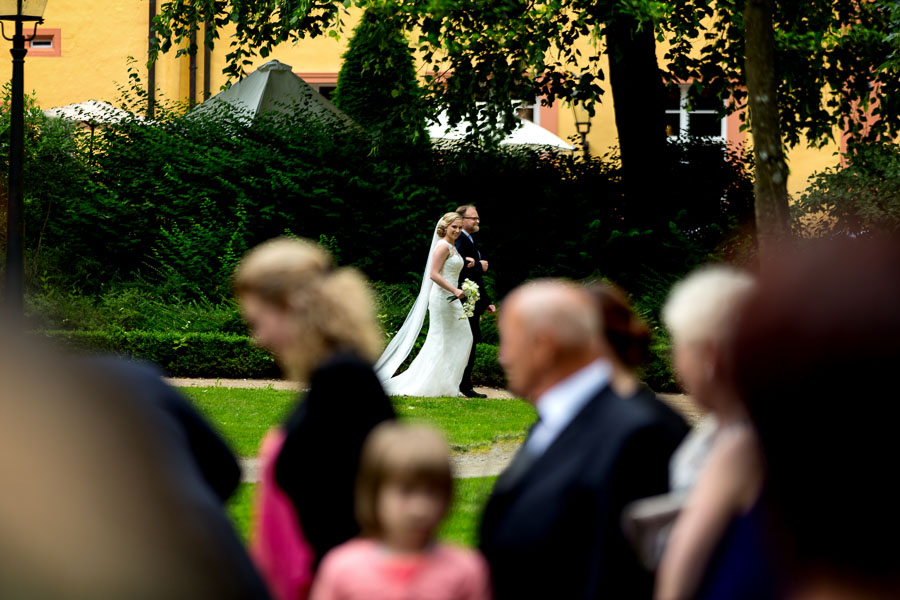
[[471, 393]]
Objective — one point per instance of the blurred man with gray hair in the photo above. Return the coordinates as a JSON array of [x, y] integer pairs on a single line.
[[552, 526]]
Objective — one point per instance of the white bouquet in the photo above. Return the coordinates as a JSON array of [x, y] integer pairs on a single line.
[[470, 288]]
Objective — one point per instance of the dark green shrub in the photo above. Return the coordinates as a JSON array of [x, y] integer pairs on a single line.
[[658, 373], [180, 355], [176, 204], [859, 198], [128, 306], [394, 302], [489, 333], [486, 370], [377, 83], [215, 355], [55, 171]]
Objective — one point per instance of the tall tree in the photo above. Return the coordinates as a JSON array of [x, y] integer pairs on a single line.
[[770, 187], [377, 82], [639, 98]]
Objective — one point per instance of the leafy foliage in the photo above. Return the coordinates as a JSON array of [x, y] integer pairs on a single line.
[[177, 203], [149, 224], [829, 56], [377, 83], [186, 355], [861, 197], [55, 167], [215, 354]]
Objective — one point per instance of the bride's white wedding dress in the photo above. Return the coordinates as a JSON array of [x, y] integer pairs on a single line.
[[438, 368]]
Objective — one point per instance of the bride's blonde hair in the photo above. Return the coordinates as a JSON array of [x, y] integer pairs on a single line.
[[330, 308], [446, 221]]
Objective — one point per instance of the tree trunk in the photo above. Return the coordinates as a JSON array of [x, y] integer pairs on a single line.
[[639, 97], [770, 188]]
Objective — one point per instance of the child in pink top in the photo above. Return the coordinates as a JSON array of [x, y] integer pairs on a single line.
[[403, 492]]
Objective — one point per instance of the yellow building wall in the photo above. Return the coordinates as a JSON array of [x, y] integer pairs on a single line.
[[96, 42], [96, 38]]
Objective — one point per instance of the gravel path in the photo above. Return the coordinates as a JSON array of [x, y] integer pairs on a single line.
[[469, 464], [280, 384]]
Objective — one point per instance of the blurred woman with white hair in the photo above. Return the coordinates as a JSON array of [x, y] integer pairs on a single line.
[[714, 550]]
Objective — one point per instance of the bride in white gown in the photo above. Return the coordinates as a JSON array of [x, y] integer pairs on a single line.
[[438, 368]]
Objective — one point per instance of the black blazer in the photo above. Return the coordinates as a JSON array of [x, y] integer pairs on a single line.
[[201, 472], [320, 456], [467, 248], [555, 531], [181, 428]]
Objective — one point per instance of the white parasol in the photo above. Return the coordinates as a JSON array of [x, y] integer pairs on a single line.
[[525, 134]]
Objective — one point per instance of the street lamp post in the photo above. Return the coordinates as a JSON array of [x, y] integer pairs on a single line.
[[583, 125], [18, 11]]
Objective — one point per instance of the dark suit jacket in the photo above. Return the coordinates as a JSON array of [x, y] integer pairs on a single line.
[[180, 426], [466, 248], [555, 531], [200, 470], [320, 456]]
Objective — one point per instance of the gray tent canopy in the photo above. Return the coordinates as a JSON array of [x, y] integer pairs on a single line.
[[274, 87]]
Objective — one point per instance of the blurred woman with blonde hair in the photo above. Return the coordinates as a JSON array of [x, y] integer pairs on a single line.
[[716, 548], [319, 322]]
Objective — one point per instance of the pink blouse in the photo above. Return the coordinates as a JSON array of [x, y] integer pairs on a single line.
[[363, 570]]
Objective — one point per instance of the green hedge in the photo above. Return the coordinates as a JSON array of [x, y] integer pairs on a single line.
[[487, 369], [216, 354], [179, 354]]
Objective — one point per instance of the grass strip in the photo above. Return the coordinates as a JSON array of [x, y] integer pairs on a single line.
[[244, 415], [460, 527]]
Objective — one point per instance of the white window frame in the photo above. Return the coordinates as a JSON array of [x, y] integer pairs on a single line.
[[684, 117], [535, 109]]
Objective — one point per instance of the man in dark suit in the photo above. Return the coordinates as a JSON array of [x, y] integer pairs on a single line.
[[552, 526], [473, 269]]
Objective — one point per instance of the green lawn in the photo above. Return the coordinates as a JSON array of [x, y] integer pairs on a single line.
[[243, 416], [469, 497], [460, 526]]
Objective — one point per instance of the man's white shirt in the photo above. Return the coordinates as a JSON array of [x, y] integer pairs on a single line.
[[559, 405]]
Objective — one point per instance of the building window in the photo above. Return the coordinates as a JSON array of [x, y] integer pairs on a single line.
[[46, 42], [326, 89], [530, 112], [702, 120], [324, 83]]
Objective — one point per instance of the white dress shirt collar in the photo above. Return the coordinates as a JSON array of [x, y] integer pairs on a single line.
[[468, 235], [559, 405]]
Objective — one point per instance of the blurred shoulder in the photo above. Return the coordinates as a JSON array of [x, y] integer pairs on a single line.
[[468, 563], [348, 556], [343, 365], [641, 411], [659, 412], [736, 447]]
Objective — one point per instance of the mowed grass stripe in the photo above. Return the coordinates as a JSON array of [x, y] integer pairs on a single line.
[[244, 415], [460, 527]]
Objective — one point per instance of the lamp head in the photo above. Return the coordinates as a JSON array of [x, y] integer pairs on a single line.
[[583, 114], [22, 10]]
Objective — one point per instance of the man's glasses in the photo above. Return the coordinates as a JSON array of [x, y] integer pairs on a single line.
[[473, 218]]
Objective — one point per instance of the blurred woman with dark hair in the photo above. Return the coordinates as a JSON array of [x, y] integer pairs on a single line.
[[625, 334], [627, 338]]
